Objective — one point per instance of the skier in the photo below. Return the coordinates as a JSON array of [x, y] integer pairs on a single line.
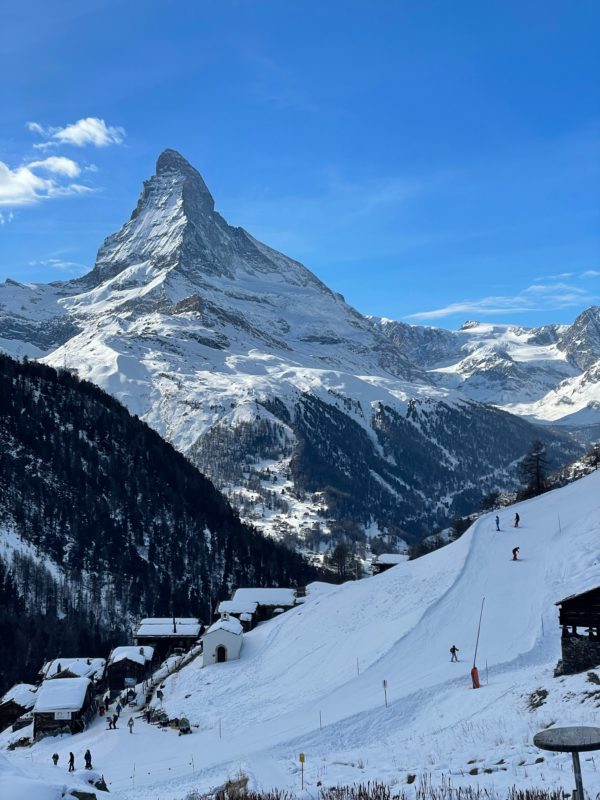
[[115, 717], [71, 762], [160, 695], [55, 758], [107, 700], [515, 553], [130, 724], [111, 723], [517, 520], [454, 651], [118, 709], [87, 757], [497, 522]]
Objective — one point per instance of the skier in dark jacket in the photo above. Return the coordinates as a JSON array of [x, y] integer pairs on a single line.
[[118, 709], [87, 757], [497, 522], [515, 553], [55, 758], [517, 520], [71, 762], [454, 651]]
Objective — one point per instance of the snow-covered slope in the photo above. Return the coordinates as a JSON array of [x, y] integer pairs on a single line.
[[312, 680], [287, 397], [551, 374]]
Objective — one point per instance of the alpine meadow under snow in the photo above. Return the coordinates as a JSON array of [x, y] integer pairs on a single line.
[[311, 680]]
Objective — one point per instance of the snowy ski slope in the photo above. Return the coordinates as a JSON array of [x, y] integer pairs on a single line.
[[311, 680]]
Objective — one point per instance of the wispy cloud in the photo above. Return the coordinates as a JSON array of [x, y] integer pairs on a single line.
[[536, 297], [62, 265], [91, 130], [25, 185], [591, 273], [5, 218]]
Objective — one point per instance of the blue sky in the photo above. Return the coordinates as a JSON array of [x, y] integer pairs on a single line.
[[434, 161]]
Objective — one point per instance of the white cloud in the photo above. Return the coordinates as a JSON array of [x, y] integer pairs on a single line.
[[591, 273], [4, 218], [24, 186], [90, 130], [58, 165], [537, 297], [61, 264]]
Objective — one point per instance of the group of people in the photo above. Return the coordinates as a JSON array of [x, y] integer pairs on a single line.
[[517, 520], [87, 757]]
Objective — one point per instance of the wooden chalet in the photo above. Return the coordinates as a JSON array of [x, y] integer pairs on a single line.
[[385, 561], [128, 666], [579, 616], [92, 668], [16, 702], [253, 605], [63, 706], [167, 634]]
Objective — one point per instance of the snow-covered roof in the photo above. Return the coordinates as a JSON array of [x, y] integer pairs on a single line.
[[154, 628], [265, 597], [23, 694], [79, 667], [66, 694], [244, 617], [391, 558], [578, 594], [140, 655], [232, 625], [169, 621], [237, 607]]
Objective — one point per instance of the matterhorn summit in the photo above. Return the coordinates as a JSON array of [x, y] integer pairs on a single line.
[[304, 411]]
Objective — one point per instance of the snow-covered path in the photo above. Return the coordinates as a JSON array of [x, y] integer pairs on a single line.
[[323, 663]]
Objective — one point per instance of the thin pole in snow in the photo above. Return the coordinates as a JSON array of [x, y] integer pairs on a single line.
[[478, 631], [385, 692], [487, 680], [320, 722], [559, 527], [357, 667], [543, 626], [219, 728]]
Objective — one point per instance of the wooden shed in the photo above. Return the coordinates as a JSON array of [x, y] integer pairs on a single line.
[[386, 561], [16, 702], [63, 706], [579, 616], [128, 666]]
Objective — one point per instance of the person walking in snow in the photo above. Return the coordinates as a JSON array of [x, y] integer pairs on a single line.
[[130, 724], [517, 520], [87, 757], [515, 553], [497, 522], [55, 758], [71, 762], [454, 651], [115, 717], [118, 709]]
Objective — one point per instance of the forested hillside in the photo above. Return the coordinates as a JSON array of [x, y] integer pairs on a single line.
[[127, 524]]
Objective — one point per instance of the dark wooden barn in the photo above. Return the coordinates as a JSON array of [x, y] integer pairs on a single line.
[[16, 702], [63, 706], [579, 616], [128, 666], [168, 634]]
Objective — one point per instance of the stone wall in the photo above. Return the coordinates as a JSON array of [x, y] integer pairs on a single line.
[[579, 653]]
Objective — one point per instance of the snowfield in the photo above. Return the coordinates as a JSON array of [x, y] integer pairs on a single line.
[[311, 680]]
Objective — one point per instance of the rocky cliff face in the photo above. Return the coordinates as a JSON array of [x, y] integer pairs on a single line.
[[311, 416]]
